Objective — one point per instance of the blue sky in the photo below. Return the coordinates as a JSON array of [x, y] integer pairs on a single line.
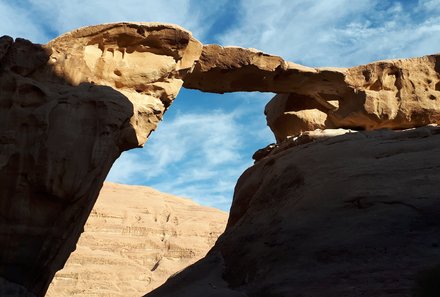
[[206, 140]]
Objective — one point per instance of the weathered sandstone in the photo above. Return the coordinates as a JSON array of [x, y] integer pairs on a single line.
[[232, 69], [67, 111], [394, 94], [134, 239], [350, 215], [69, 108]]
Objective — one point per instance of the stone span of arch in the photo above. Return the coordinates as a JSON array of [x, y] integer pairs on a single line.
[[70, 107]]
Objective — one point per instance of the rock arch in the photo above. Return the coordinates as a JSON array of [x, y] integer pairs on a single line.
[[70, 107]]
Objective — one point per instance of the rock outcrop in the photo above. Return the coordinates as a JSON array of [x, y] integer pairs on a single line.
[[328, 211], [67, 111], [394, 94], [134, 239], [349, 215]]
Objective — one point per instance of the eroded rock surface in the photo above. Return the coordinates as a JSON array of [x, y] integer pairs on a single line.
[[350, 215], [69, 108], [67, 111], [233, 69], [394, 94], [134, 239]]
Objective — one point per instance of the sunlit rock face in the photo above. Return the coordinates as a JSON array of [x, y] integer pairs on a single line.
[[134, 239], [67, 111], [394, 94]]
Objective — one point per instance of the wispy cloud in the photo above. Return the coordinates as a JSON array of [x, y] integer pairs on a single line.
[[17, 21], [196, 155], [42, 20], [200, 151], [339, 32]]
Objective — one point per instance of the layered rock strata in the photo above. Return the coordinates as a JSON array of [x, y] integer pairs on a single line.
[[134, 239], [350, 215], [67, 111]]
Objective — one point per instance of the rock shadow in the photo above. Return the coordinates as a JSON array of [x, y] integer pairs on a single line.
[[58, 142]]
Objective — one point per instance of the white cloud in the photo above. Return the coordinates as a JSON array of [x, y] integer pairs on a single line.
[[42, 20], [429, 5], [196, 155], [200, 153], [339, 32], [17, 21]]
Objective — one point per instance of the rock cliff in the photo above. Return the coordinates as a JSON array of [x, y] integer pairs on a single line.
[[67, 111], [338, 216], [329, 211], [134, 239]]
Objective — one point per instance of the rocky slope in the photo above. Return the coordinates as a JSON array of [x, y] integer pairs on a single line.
[[134, 239], [349, 215]]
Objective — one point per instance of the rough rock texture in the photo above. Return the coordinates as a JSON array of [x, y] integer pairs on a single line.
[[69, 108], [134, 239], [303, 138], [395, 94], [67, 111], [232, 69], [350, 215]]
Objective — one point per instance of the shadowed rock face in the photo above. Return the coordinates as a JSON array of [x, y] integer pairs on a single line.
[[338, 216], [67, 111]]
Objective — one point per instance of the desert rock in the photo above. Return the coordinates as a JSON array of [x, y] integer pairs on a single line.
[[350, 215], [67, 111], [134, 239], [69, 108], [233, 69], [394, 94]]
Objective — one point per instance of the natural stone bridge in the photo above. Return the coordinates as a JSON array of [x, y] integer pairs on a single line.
[[68, 109]]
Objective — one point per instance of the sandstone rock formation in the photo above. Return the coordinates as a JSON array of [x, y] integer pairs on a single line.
[[69, 108], [134, 239], [67, 111], [349, 215], [394, 94]]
